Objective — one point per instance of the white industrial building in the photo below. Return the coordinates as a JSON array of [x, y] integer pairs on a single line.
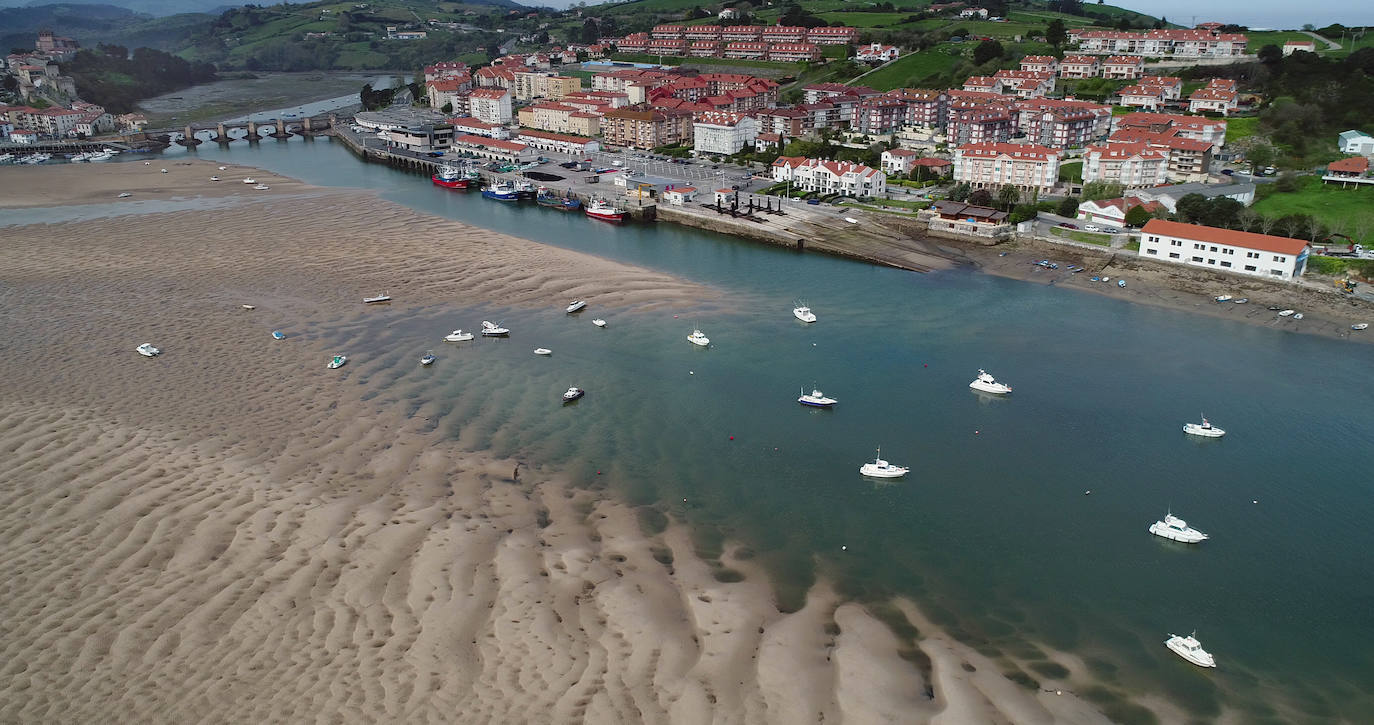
[[1225, 250]]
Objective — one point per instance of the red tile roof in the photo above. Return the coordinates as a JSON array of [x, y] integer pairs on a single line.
[[1230, 237], [1352, 165]]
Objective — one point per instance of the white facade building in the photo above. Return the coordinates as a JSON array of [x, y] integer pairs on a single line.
[[1025, 166], [898, 161], [876, 53], [1130, 164], [491, 105], [722, 133], [1356, 142], [830, 177], [1225, 250]]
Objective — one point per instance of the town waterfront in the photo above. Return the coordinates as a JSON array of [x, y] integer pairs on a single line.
[[1022, 526]]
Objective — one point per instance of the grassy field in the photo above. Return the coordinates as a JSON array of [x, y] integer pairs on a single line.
[[866, 20], [1259, 39], [1347, 211], [1104, 240], [1072, 171], [908, 71], [1000, 31], [1239, 128], [1349, 45]]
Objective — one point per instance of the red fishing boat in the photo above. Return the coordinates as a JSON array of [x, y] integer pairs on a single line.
[[599, 209], [450, 178]]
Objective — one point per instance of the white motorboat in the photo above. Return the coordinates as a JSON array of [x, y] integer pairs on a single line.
[[1297, 316], [575, 306], [383, 297], [337, 362], [1204, 429], [1222, 298], [249, 307], [278, 335], [428, 358], [602, 323], [124, 195], [1286, 313], [987, 384], [696, 338], [573, 394], [816, 399], [803, 313], [249, 180], [214, 178], [162, 171], [222, 168], [1190, 649], [1360, 326], [262, 187], [882, 469], [493, 330], [147, 350], [1176, 529], [458, 336], [542, 351]]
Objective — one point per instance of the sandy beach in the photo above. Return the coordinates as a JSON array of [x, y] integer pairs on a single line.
[[223, 534]]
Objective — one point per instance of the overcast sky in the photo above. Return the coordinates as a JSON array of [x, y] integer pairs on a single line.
[[1278, 14]]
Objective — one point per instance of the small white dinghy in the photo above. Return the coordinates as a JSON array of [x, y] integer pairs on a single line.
[[1204, 429], [124, 195], [458, 336], [575, 306], [262, 187], [214, 178], [882, 469], [428, 359], [383, 297], [697, 338], [250, 180], [985, 383], [147, 350], [1286, 313], [1190, 649], [249, 307], [542, 351], [1222, 298], [1176, 529], [1360, 326], [599, 322]]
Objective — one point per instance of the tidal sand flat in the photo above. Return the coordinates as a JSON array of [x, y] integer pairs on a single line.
[[229, 532]]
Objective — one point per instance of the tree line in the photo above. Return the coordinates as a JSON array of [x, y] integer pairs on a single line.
[[113, 77]]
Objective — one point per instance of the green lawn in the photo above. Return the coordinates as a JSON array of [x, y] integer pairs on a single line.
[[1258, 39], [909, 70], [1000, 31], [1239, 128], [1072, 171], [1348, 211], [1349, 45], [1104, 240], [866, 20]]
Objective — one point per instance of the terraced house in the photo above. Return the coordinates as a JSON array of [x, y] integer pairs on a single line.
[[990, 166], [830, 177], [645, 128]]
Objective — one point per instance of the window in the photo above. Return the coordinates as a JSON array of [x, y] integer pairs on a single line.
[[1228, 251], [1198, 246], [1276, 272], [1173, 255], [1280, 259], [1211, 261], [1151, 251], [1197, 259], [1213, 249], [1249, 268], [1176, 243], [1252, 255], [1226, 264]]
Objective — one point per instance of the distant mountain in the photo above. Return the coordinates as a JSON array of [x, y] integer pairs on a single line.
[[162, 8], [94, 23]]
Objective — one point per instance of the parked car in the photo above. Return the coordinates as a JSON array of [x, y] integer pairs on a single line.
[[1067, 225], [1227, 172], [1092, 228], [813, 202]]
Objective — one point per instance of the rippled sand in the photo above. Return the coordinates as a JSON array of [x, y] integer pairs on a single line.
[[231, 533]]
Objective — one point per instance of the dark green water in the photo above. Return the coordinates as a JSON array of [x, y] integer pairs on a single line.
[[992, 533]]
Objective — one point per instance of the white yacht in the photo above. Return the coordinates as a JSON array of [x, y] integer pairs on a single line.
[[1204, 429], [147, 350], [262, 187], [493, 330], [575, 306], [458, 336], [124, 195], [599, 322], [428, 359], [987, 384], [696, 338], [573, 394], [882, 469], [1176, 529], [383, 297], [803, 313], [816, 399], [542, 351], [249, 180], [1190, 649], [337, 362]]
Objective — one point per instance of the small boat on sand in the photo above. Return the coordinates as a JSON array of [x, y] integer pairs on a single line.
[[458, 336], [1242, 300], [383, 297], [1190, 649], [262, 187], [124, 195], [147, 350], [278, 335], [337, 362], [250, 180], [1286, 313], [1222, 298], [249, 307], [1360, 326]]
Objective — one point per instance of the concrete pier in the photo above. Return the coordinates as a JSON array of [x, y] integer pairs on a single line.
[[281, 131], [221, 134], [188, 138]]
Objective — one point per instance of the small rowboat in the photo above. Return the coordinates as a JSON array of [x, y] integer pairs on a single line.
[[249, 307], [1360, 326]]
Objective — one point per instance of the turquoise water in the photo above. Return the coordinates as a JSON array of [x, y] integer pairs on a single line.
[[992, 533]]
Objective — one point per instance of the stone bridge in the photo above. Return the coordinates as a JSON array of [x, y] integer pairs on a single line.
[[279, 128]]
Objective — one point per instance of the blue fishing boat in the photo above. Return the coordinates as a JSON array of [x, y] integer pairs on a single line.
[[278, 335], [547, 198], [501, 191]]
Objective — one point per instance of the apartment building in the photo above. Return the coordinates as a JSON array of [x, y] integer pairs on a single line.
[[492, 105], [1079, 66], [898, 161], [1133, 165], [830, 177], [1200, 128], [1123, 67], [983, 84], [660, 46], [1189, 159], [794, 52], [784, 122], [667, 32], [979, 124], [1194, 43], [1150, 98], [1219, 96], [705, 49], [741, 33], [1040, 64], [746, 50], [993, 165], [450, 92], [1261, 255], [633, 43], [832, 35], [877, 53], [924, 108], [477, 127], [702, 32], [560, 118], [722, 134], [1170, 87], [645, 128], [782, 34], [1025, 83], [880, 115], [558, 142]]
